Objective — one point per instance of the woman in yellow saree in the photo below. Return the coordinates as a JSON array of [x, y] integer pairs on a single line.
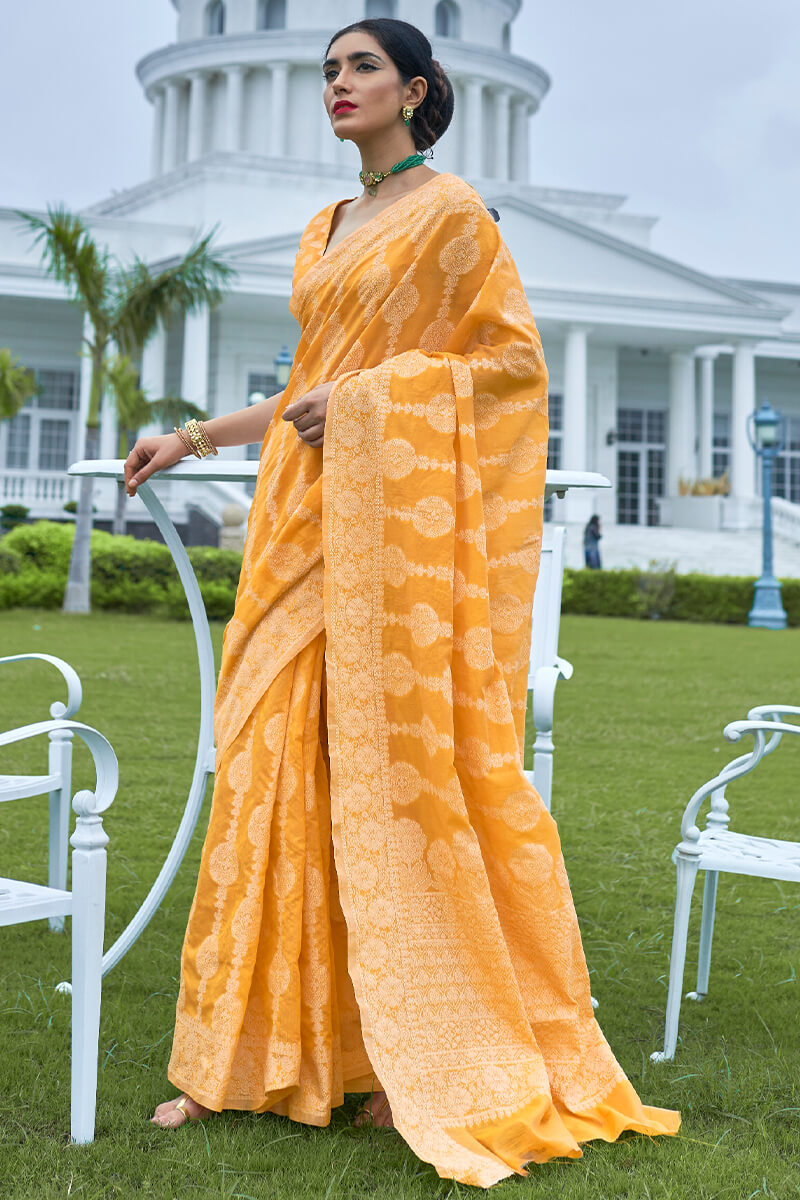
[[382, 901]]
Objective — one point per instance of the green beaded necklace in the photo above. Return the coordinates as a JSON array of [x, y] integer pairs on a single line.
[[371, 179]]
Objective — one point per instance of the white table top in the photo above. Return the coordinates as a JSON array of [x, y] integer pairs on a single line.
[[234, 470]]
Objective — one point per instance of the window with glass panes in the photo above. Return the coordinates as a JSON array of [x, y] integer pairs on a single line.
[[40, 437], [555, 409], [720, 444], [641, 464], [786, 475]]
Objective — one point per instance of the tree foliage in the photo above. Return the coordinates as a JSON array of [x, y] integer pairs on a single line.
[[17, 385], [125, 306]]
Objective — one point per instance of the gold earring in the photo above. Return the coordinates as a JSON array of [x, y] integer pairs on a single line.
[[408, 113]]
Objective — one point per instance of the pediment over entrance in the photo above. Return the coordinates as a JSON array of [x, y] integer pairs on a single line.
[[275, 252], [553, 252]]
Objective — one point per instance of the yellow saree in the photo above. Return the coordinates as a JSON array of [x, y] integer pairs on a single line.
[[382, 895]]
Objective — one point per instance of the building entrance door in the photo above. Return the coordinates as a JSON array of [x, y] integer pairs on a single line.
[[641, 464]]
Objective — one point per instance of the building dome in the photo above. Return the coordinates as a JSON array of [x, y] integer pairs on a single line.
[[243, 79]]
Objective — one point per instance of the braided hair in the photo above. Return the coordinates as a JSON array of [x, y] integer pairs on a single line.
[[411, 53]]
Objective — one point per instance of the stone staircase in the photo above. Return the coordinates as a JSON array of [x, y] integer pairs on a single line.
[[708, 552]]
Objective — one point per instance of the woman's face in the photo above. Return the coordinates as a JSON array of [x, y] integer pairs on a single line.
[[364, 93]]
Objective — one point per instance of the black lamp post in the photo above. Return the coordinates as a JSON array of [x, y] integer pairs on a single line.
[[765, 433]]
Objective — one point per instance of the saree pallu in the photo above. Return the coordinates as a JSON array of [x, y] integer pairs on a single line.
[[382, 898]]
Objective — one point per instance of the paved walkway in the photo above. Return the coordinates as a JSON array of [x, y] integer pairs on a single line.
[[722, 553]]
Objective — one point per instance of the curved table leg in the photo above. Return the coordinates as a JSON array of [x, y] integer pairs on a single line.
[[206, 754]]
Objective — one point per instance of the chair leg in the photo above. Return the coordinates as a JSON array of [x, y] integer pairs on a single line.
[[58, 847], [543, 765], [61, 765], [706, 936], [88, 918], [686, 875]]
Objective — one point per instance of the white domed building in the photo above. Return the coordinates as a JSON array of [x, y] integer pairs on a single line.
[[654, 366]]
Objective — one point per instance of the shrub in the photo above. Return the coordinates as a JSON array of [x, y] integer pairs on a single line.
[[656, 588], [216, 566], [601, 593], [10, 561], [714, 599], [129, 560], [31, 589], [218, 599], [12, 514], [719, 599], [45, 545]]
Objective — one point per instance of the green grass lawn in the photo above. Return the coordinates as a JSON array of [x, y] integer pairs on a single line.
[[638, 728]]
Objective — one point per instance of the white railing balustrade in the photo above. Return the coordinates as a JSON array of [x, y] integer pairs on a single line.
[[49, 490]]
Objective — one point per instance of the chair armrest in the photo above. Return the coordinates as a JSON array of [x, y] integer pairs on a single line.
[[743, 765], [544, 692], [74, 693], [564, 667], [105, 761], [769, 710]]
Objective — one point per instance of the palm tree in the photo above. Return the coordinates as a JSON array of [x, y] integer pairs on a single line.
[[125, 306], [134, 411], [17, 385]]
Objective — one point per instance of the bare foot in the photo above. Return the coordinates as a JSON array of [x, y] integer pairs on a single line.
[[376, 1111], [174, 1113]]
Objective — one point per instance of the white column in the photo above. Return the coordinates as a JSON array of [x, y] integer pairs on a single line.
[[170, 151], [743, 459], [196, 343], [706, 431], [153, 372], [680, 454], [502, 134], [520, 140], [154, 366], [157, 147], [576, 395], [198, 87], [473, 129], [234, 99], [279, 109], [109, 430]]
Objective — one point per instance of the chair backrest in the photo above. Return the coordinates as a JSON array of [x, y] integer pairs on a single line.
[[547, 601]]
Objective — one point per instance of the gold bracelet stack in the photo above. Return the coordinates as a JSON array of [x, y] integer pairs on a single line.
[[195, 438]]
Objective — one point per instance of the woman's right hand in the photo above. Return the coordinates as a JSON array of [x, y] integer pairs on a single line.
[[151, 454]]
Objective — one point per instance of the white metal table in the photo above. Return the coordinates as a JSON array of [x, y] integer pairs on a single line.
[[558, 483]]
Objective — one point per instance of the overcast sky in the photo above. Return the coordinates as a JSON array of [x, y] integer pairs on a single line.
[[691, 109]]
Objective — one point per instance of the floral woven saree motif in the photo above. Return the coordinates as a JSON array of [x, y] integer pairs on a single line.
[[372, 703]]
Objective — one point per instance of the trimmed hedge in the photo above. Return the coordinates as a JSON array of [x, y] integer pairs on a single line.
[[128, 574], [714, 599], [139, 576]]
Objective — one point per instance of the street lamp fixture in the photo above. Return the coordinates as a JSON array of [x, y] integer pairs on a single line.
[[283, 367], [765, 432]]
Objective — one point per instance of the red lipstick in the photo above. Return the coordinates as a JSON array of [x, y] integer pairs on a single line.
[[343, 106]]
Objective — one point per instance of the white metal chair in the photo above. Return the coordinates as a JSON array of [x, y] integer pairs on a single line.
[[546, 667], [57, 782], [717, 848], [21, 901]]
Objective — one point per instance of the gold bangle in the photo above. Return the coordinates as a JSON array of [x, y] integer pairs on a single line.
[[207, 436], [186, 441], [199, 438]]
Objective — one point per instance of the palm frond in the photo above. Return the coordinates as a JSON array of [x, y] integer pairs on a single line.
[[17, 385], [174, 409], [143, 299], [71, 255]]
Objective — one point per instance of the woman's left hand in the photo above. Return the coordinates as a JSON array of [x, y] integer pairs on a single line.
[[308, 414]]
